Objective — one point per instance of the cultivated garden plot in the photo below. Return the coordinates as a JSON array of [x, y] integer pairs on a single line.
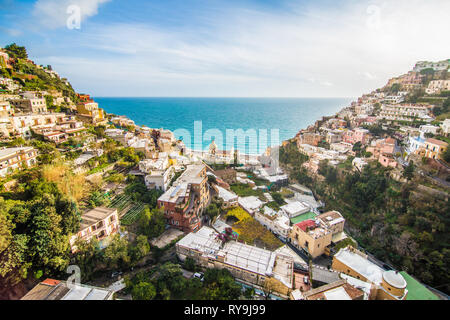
[[129, 210]]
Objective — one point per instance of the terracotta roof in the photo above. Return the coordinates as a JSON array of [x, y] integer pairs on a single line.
[[306, 224], [390, 141], [51, 282], [435, 141]]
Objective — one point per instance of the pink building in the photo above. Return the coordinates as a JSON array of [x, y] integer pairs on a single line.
[[387, 160], [383, 146], [357, 135]]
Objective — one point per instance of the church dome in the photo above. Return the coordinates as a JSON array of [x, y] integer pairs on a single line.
[[395, 279], [212, 147]]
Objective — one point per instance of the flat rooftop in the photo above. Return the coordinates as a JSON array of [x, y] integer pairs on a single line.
[[226, 195], [360, 264], [247, 257], [191, 175], [50, 289], [331, 218], [250, 203], [95, 215], [11, 151], [240, 255], [174, 193], [295, 208]]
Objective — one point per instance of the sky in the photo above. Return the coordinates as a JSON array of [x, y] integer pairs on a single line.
[[232, 48]]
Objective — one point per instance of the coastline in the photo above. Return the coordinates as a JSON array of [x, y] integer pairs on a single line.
[[217, 115]]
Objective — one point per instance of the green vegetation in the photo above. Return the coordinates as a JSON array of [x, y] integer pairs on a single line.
[[133, 214], [120, 254], [215, 208], [35, 223], [166, 282], [139, 192], [289, 154], [389, 219], [345, 243], [244, 190], [16, 51], [251, 231], [152, 222], [278, 198]]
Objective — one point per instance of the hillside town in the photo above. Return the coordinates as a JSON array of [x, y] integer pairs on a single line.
[[144, 217]]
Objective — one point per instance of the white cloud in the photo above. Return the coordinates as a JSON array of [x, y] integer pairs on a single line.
[[344, 51], [55, 13]]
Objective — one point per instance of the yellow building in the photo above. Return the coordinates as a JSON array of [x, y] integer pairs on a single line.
[[433, 148], [311, 236], [88, 110], [388, 285], [91, 111]]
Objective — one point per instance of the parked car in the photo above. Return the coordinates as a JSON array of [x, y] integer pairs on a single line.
[[198, 275], [116, 274]]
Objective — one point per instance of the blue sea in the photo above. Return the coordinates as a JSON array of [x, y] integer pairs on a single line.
[[273, 120]]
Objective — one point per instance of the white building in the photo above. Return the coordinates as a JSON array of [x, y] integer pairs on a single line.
[[445, 126], [229, 198], [394, 99], [248, 263], [12, 159], [427, 128], [295, 208], [359, 163], [436, 86], [158, 172], [51, 289], [436, 66], [250, 204], [274, 222], [160, 179], [415, 143], [405, 112]]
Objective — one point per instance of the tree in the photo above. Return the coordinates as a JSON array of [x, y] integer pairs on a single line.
[[212, 179], [17, 51], [152, 223], [278, 198], [219, 284], [116, 254], [170, 279], [249, 293], [344, 243], [395, 88], [268, 288], [213, 210], [408, 173], [14, 264], [88, 257], [357, 147], [140, 249], [446, 155], [189, 264], [143, 291], [48, 238]]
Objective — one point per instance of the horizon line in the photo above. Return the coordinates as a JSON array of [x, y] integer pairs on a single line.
[[221, 97]]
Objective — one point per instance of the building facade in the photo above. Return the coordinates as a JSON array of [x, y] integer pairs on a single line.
[[186, 200], [12, 159], [98, 223]]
